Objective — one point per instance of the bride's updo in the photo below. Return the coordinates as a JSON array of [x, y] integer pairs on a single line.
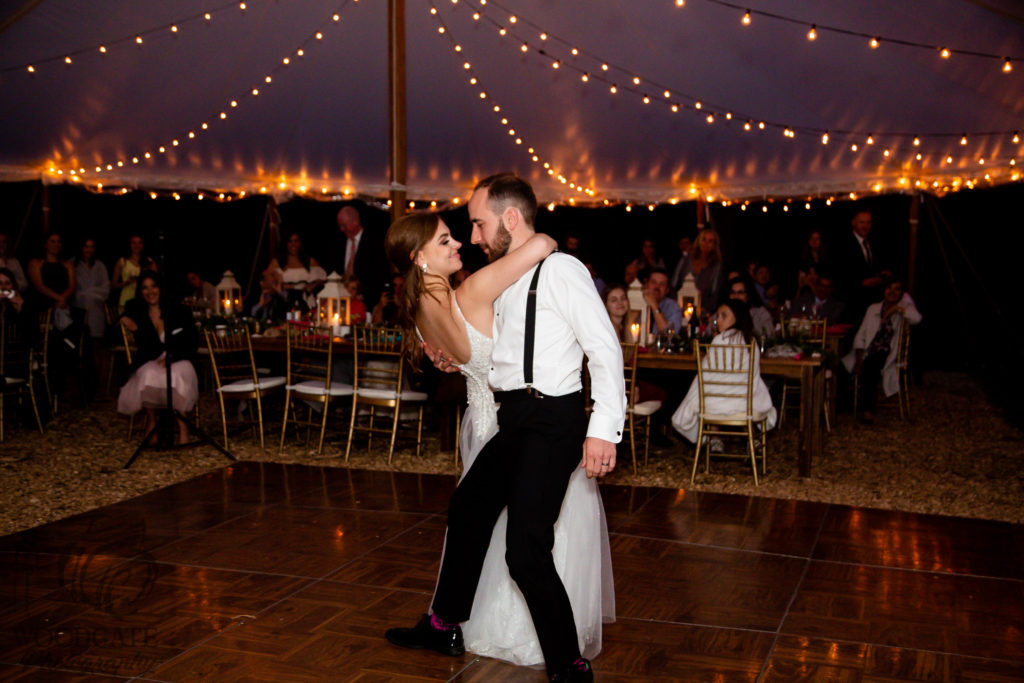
[[404, 239]]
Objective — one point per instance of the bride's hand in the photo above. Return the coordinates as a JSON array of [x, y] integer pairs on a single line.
[[441, 361]]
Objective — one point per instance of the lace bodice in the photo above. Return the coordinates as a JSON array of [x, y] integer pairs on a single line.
[[476, 370]]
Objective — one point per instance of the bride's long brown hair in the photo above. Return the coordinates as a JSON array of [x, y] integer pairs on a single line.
[[404, 239]]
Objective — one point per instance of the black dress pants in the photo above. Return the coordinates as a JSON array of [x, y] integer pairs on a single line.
[[525, 467]]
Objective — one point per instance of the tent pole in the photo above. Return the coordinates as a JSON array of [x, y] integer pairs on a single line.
[[700, 213], [915, 210], [18, 14], [396, 105]]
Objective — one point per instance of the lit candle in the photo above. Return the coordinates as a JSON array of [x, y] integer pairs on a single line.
[[227, 306], [634, 332]]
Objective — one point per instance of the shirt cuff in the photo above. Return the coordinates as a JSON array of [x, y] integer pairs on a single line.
[[604, 427]]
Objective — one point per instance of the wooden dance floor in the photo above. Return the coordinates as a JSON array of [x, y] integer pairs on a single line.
[[263, 572]]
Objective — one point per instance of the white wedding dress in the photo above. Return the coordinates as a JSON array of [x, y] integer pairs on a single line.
[[500, 625]]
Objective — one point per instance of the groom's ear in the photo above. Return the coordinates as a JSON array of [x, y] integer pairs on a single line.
[[511, 217]]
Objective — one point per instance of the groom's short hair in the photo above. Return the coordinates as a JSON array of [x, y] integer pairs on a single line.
[[507, 189]]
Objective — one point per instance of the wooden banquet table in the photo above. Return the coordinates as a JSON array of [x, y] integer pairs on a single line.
[[811, 373]]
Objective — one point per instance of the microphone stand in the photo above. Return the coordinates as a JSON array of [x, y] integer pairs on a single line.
[[169, 415]]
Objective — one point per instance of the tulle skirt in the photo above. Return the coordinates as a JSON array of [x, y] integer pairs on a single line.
[[147, 388], [500, 625]]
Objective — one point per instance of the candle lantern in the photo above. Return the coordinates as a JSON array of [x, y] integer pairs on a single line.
[[640, 312], [689, 298], [229, 295], [333, 304]]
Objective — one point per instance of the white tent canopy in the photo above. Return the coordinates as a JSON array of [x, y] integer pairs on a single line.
[[320, 124]]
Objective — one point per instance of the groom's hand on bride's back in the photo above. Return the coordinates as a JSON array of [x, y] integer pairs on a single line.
[[439, 358], [598, 457]]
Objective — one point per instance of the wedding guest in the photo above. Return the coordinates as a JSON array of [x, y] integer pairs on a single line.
[[301, 274], [666, 314], [12, 305], [272, 306], [199, 290], [164, 332], [126, 271], [356, 305], [734, 327], [386, 311], [616, 302], [812, 259], [648, 260], [818, 302], [361, 254], [762, 324], [8, 261], [876, 346], [858, 268], [683, 266], [708, 270], [92, 287]]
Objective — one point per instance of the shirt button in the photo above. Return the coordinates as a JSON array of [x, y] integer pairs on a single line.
[[618, 433]]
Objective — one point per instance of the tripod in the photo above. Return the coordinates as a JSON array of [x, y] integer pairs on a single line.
[[169, 416]]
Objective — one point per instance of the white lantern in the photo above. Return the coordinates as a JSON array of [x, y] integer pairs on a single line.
[[639, 314], [689, 298], [333, 304], [229, 295]]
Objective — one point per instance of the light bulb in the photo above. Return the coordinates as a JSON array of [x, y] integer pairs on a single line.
[[813, 33], [746, 18], [874, 43], [944, 53]]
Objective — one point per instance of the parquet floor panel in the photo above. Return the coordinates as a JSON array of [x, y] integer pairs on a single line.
[[264, 572]]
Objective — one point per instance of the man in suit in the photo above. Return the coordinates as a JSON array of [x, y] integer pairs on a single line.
[[819, 302], [361, 255], [860, 275]]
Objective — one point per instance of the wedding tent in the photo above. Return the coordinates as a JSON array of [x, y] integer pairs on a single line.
[[645, 101]]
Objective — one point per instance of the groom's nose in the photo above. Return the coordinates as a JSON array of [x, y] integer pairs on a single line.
[[475, 236]]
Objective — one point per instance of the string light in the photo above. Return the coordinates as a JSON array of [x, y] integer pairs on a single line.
[[813, 33], [746, 18]]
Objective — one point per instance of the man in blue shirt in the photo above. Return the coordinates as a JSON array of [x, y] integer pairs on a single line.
[[665, 311]]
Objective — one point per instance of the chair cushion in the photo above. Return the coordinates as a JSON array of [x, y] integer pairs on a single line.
[[646, 408], [317, 388], [244, 385], [12, 380], [407, 395]]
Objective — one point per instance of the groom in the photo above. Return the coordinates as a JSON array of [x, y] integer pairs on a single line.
[[543, 430]]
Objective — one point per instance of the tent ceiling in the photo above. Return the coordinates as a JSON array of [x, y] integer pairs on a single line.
[[322, 121]]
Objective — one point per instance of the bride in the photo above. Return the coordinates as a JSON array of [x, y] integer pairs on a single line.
[[460, 322]]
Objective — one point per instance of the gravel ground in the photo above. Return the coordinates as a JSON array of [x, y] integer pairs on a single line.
[[956, 456]]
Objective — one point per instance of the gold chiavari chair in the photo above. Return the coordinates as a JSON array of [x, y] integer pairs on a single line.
[[17, 377], [235, 377], [310, 358], [636, 411], [379, 383], [726, 372], [902, 360]]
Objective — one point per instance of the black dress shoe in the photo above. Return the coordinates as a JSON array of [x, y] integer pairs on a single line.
[[577, 672], [423, 636]]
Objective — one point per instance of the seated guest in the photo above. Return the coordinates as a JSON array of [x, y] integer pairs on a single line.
[[92, 288], [12, 264], [630, 273], [763, 326], [12, 305], [272, 305], [665, 311], [599, 283], [734, 327], [386, 310], [301, 274], [818, 302], [708, 270], [572, 246], [199, 290], [762, 281], [356, 307], [877, 343], [616, 302], [164, 332]]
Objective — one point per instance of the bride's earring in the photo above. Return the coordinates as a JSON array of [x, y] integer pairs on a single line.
[[423, 267]]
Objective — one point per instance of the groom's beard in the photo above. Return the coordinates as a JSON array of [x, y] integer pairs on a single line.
[[499, 247]]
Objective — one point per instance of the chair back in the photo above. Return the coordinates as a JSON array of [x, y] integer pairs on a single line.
[[379, 358], [15, 350], [128, 339], [629, 352], [812, 330], [903, 348], [231, 355], [309, 353], [726, 371]]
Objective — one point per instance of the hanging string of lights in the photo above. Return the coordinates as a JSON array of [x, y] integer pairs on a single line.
[[75, 174], [137, 38], [631, 81], [874, 40], [485, 97]]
